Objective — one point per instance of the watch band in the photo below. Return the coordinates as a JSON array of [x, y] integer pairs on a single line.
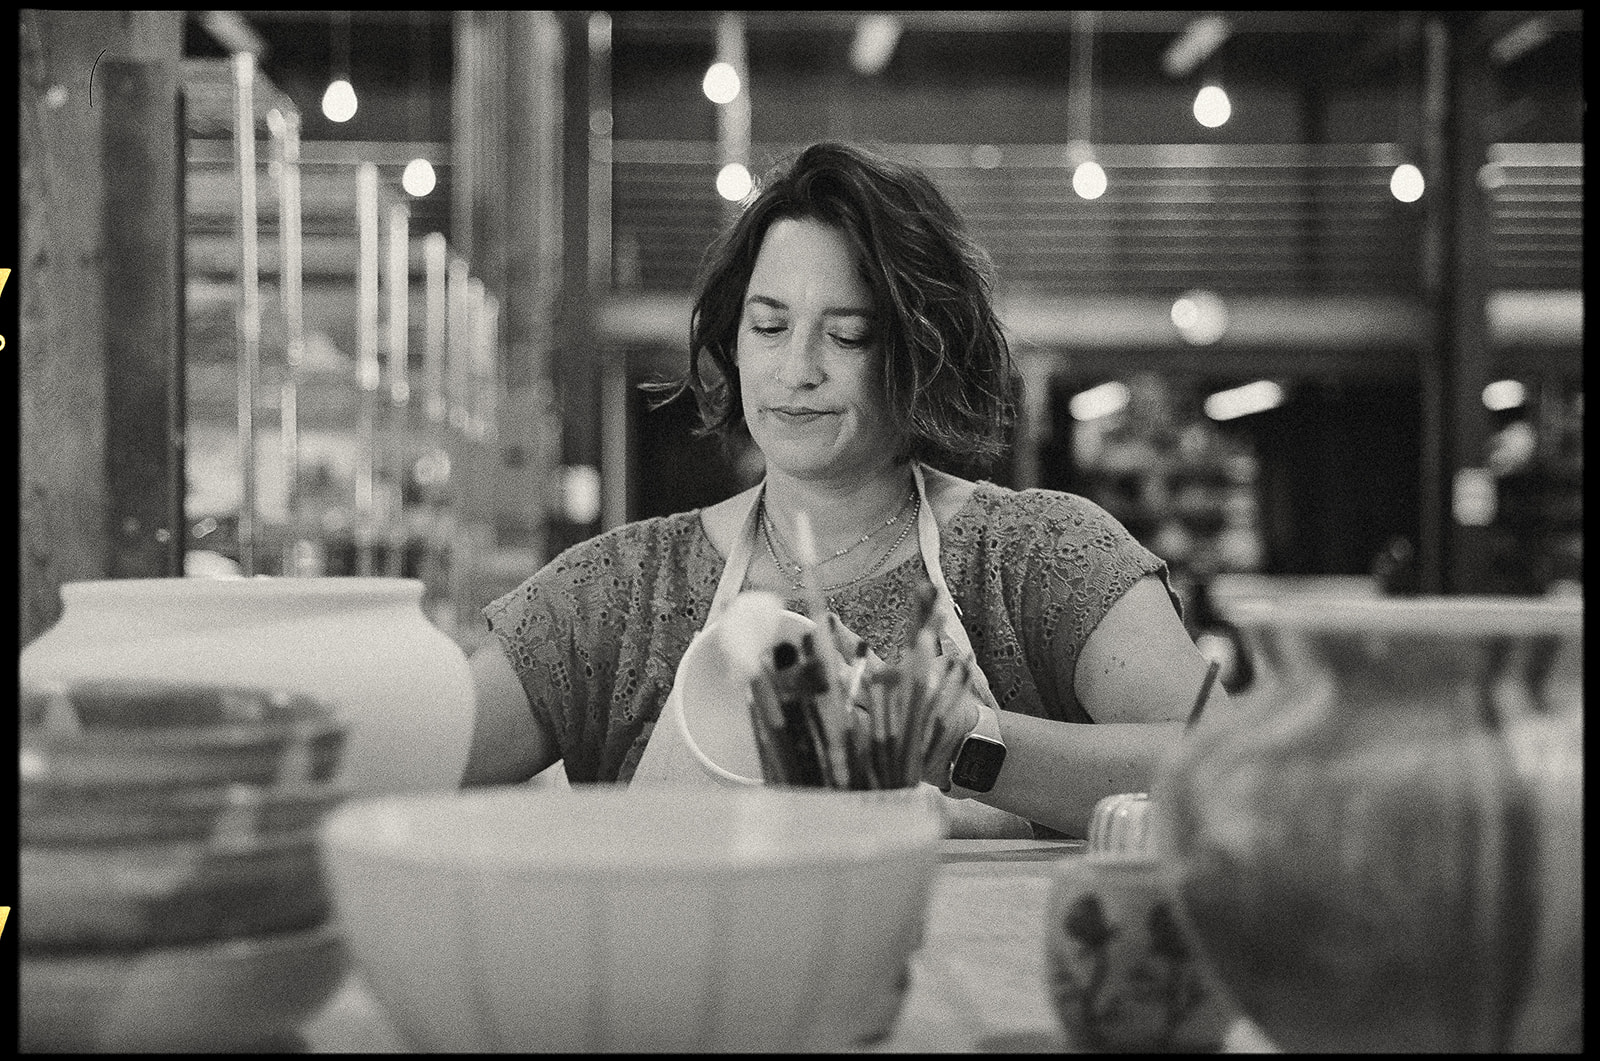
[[976, 764]]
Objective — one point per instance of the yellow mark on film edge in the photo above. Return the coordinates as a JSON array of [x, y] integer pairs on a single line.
[[5, 911], [5, 274]]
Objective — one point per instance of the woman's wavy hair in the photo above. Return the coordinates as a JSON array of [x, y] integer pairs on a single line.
[[948, 377]]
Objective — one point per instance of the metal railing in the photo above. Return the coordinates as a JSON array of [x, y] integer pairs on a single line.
[[1260, 219], [1537, 215]]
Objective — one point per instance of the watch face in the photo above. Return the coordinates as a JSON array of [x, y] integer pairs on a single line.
[[978, 764]]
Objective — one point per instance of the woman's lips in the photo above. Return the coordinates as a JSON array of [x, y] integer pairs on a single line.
[[797, 414]]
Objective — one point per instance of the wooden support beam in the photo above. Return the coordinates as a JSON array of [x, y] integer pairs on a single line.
[[576, 367], [144, 453], [89, 257], [1453, 546]]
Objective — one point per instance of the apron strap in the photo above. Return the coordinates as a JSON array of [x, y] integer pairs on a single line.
[[953, 637], [738, 564]]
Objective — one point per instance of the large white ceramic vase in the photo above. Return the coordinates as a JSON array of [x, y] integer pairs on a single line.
[[361, 644]]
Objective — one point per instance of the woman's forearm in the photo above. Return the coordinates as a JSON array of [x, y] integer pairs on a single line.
[[1055, 772]]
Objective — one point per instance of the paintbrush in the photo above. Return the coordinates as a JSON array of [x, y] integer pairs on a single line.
[[1205, 693], [772, 770], [921, 647], [805, 757], [852, 685], [946, 687], [780, 763], [832, 717], [811, 577], [835, 705]]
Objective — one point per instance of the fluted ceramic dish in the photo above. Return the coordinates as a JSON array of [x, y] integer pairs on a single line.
[[1121, 823], [602, 918], [241, 994]]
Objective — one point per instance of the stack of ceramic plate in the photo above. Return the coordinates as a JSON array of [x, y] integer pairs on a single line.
[[172, 892]]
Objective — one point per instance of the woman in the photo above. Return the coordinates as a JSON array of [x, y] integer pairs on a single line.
[[844, 324]]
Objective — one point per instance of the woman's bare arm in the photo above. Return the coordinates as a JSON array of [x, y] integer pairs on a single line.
[[1140, 664], [1137, 676], [510, 743]]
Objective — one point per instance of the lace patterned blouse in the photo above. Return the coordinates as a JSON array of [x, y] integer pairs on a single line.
[[596, 635]]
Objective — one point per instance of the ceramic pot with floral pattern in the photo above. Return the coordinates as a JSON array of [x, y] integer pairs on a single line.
[[1123, 973]]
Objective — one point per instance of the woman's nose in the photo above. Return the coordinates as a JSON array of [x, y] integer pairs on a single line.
[[800, 361]]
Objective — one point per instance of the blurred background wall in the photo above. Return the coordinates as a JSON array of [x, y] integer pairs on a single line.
[[1295, 293]]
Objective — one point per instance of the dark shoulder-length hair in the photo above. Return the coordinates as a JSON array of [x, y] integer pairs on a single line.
[[948, 377]]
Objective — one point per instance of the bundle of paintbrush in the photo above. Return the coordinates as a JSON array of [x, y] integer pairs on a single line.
[[823, 721]]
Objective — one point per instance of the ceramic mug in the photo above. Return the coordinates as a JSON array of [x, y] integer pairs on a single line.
[[1123, 972]]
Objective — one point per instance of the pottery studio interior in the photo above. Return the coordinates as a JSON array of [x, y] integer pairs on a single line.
[[1295, 295]]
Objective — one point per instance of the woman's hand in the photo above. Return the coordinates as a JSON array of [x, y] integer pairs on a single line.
[[849, 643], [859, 657], [940, 710], [952, 714]]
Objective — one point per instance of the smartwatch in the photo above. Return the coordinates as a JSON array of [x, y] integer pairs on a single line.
[[977, 762]]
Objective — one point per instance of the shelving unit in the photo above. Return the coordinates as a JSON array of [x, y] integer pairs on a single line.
[[1537, 526], [1174, 479], [342, 370]]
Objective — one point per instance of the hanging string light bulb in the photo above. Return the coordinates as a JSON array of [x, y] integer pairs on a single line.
[[419, 179], [339, 99], [1212, 108], [721, 83], [1088, 177], [1406, 183], [726, 85]]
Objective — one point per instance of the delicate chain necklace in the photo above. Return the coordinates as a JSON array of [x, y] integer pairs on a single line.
[[891, 521], [770, 534]]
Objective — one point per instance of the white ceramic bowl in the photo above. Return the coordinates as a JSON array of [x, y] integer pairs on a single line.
[[245, 993], [604, 918]]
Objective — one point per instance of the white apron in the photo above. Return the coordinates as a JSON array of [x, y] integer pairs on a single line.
[[704, 734]]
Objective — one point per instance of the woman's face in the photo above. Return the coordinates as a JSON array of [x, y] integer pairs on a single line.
[[809, 363]]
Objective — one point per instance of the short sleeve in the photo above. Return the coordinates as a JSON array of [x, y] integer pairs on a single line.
[[538, 628], [595, 637], [1080, 561], [1034, 572]]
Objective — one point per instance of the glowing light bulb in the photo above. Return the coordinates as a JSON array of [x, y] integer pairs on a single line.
[[1406, 183], [419, 178], [1200, 317], [1099, 401], [1211, 107], [1089, 180], [1250, 398], [339, 101], [721, 84], [1504, 394], [734, 182]]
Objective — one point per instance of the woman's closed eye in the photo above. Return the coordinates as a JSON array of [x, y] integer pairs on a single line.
[[851, 342], [845, 340]]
